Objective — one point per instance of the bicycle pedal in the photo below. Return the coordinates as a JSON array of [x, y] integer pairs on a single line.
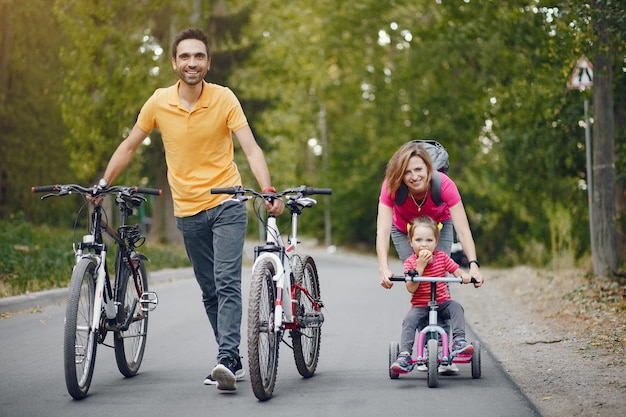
[[312, 319], [149, 301]]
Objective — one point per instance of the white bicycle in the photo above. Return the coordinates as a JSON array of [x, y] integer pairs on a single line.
[[284, 292]]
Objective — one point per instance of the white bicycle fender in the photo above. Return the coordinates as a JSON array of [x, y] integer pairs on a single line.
[[278, 278]]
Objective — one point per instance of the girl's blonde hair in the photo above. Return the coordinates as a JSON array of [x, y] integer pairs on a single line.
[[400, 160], [423, 221]]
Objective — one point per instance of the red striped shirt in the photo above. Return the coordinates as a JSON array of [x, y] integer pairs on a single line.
[[440, 264]]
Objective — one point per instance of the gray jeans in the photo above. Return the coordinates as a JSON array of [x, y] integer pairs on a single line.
[[214, 242], [414, 319]]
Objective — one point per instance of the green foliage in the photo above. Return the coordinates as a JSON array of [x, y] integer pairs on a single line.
[[35, 258], [31, 129], [485, 78], [111, 67]]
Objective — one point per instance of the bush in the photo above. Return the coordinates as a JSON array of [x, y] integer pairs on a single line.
[[35, 258]]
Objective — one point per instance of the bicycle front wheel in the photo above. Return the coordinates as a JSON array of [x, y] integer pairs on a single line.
[[307, 337], [130, 344], [263, 341], [79, 340]]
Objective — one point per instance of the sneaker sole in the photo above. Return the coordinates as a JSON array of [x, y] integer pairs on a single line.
[[399, 371], [448, 370], [225, 379], [238, 376], [468, 350]]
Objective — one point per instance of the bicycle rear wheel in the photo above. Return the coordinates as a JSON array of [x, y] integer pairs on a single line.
[[79, 339], [263, 341], [307, 337], [130, 344]]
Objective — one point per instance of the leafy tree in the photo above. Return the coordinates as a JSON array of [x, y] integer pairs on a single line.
[[111, 66], [31, 129]]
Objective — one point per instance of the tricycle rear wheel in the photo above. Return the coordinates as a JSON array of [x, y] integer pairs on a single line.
[[394, 351], [476, 360]]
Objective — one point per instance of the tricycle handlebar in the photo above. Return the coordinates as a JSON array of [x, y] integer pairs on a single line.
[[417, 278]]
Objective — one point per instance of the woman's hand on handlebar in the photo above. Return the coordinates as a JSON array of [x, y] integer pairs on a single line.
[[385, 282], [475, 273]]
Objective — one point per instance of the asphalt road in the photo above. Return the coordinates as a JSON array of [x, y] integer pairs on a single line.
[[351, 380]]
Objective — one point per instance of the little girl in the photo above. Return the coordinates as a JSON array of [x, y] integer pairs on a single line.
[[423, 237]]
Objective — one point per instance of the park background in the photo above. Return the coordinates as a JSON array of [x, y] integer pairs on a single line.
[[331, 89]]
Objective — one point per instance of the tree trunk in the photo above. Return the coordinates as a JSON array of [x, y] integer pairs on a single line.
[[163, 228], [603, 198]]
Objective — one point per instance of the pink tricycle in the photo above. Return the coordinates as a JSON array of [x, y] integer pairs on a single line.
[[433, 341]]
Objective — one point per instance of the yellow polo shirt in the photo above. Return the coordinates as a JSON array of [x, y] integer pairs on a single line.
[[198, 144]]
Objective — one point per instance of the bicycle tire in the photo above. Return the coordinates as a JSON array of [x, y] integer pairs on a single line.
[[476, 371], [433, 363], [263, 341], [306, 340], [130, 344], [79, 339]]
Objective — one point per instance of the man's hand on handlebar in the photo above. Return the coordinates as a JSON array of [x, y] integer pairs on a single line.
[[275, 206]]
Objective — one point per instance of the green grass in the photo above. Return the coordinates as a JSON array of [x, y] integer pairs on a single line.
[[35, 258]]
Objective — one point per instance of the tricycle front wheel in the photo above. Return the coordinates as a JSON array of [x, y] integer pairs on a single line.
[[433, 363]]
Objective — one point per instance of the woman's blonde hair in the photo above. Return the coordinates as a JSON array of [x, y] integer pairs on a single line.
[[400, 160]]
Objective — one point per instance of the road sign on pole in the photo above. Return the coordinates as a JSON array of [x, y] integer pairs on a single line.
[[581, 79], [582, 75]]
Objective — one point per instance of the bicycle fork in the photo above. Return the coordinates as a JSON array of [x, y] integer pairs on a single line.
[[279, 279]]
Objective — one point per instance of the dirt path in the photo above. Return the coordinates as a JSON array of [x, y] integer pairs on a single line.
[[562, 339]]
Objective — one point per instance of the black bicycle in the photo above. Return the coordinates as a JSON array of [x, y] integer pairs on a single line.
[[95, 305]]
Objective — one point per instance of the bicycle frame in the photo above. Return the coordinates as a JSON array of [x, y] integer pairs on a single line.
[[105, 292], [285, 292]]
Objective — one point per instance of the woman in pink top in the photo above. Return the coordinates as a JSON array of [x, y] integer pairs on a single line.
[[410, 171]]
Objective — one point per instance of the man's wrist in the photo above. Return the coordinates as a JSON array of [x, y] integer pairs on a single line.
[[269, 190], [473, 261]]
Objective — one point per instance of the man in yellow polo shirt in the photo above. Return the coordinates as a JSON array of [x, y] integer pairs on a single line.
[[196, 120]]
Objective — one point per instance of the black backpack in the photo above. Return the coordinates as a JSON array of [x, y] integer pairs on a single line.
[[439, 157]]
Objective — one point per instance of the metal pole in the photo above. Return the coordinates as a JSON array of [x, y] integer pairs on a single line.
[[589, 181], [328, 240]]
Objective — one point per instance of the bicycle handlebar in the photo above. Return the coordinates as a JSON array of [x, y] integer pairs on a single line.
[[302, 190], [65, 189]]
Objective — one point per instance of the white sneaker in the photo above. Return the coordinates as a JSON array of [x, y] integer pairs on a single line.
[[225, 373], [209, 380], [448, 369], [422, 368]]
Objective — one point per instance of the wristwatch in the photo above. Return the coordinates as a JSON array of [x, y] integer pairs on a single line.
[[103, 183], [473, 261]]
